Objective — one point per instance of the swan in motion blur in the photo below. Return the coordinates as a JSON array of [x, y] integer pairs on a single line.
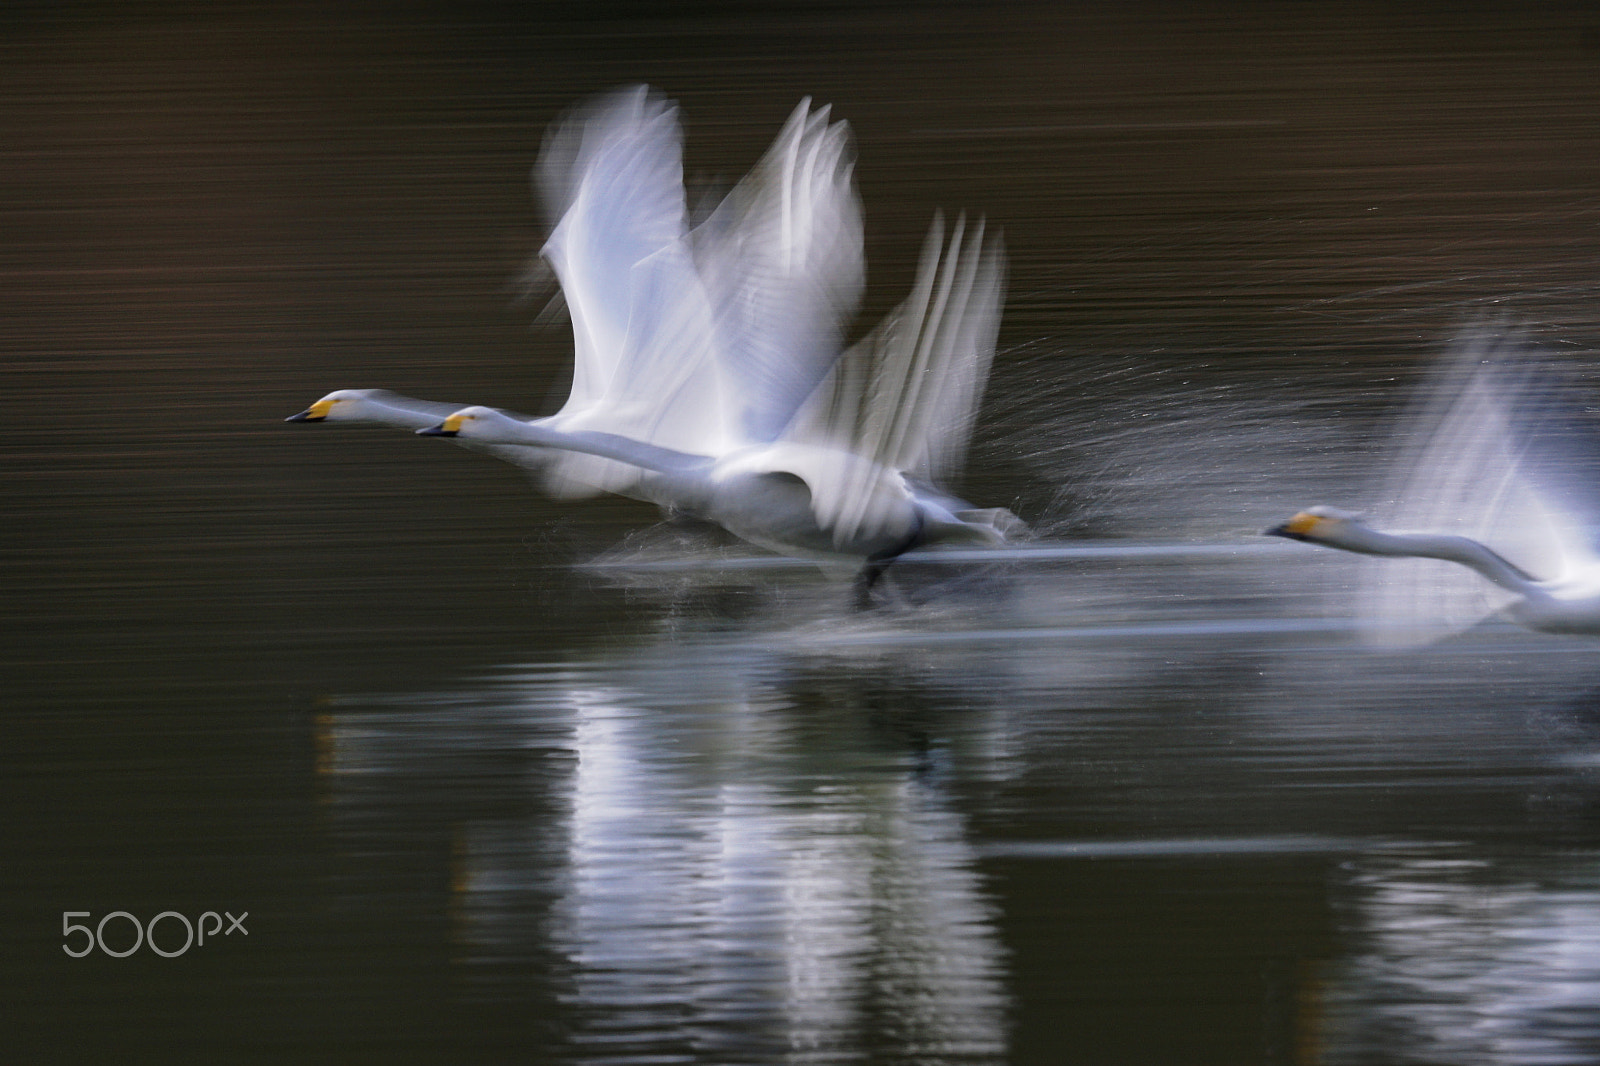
[[709, 375], [1497, 456]]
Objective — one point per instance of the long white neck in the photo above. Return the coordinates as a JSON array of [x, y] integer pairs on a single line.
[[1463, 550], [391, 414], [498, 429]]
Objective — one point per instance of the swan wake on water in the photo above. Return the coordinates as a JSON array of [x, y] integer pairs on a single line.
[[1497, 456], [710, 375]]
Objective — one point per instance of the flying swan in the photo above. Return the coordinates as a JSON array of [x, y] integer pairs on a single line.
[[709, 372], [1497, 455]]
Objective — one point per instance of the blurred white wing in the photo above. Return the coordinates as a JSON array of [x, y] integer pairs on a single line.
[[782, 257], [643, 330], [730, 336], [1469, 466], [905, 396]]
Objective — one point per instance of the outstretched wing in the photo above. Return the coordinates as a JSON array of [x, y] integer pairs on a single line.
[[1474, 462], [1557, 442], [905, 396], [782, 258], [643, 331]]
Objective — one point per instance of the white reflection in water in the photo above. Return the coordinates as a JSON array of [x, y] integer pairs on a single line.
[[1456, 965], [809, 906], [731, 877]]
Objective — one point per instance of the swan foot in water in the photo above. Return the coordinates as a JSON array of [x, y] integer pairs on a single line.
[[869, 575], [875, 566]]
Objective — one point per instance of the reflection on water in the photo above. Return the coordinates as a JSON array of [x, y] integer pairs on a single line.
[[741, 863], [1452, 962], [786, 841]]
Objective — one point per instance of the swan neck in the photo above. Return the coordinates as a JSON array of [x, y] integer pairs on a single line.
[[605, 445], [390, 414], [1463, 550]]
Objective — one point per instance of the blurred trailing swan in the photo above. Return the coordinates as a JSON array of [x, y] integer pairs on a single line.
[[1498, 454], [709, 372]]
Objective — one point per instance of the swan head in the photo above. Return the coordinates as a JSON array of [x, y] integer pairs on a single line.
[[468, 422], [343, 405], [1318, 525]]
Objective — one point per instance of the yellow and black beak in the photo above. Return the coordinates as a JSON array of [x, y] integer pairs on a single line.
[[315, 413], [1300, 527], [448, 428]]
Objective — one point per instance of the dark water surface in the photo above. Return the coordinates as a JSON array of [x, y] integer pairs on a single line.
[[484, 801]]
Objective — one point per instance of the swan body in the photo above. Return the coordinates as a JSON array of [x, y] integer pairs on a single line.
[[783, 496], [710, 374], [1493, 454]]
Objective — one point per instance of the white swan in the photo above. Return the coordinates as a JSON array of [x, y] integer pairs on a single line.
[[708, 375], [791, 497], [1494, 456], [779, 263]]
